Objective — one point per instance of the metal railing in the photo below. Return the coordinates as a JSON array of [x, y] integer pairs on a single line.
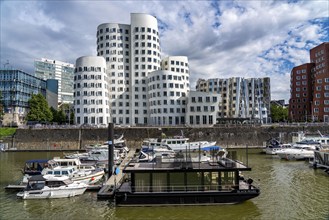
[[188, 188]]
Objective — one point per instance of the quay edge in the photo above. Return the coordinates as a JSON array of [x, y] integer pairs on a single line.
[[228, 137]]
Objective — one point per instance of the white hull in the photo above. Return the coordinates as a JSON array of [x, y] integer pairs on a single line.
[[177, 144], [296, 154], [274, 150], [51, 187], [49, 193], [193, 146]]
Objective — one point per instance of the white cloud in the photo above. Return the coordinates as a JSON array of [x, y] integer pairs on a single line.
[[221, 38], [32, 13]]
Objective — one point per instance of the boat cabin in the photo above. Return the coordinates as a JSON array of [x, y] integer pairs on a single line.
[[59, 171], [35, 167], [38, 182]]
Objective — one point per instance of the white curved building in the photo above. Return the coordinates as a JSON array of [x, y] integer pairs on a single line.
[[91, 100], [168, 91], [131, 53]]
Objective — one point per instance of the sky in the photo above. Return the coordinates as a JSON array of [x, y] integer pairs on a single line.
[[221, 39]]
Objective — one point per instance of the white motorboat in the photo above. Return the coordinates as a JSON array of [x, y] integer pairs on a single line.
[[177, 144], [299, 151], [119, 144], [86, 176], [152, 155], [75, 162], [322, 139], [272, 149], [49, 186], [165, 154]]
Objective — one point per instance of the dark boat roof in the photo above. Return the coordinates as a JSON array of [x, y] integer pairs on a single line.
[[37, 161], [224, 164], [308, 142], [37, 178]]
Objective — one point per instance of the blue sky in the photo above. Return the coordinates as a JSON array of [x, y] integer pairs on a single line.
[[221, 38]]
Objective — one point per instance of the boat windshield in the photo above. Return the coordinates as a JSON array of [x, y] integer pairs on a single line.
[[36, 185]]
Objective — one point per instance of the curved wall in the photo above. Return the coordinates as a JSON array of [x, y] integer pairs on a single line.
[[91, 101], [167, 93]]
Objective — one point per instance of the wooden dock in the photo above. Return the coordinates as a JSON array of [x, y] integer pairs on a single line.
[[107, 191]]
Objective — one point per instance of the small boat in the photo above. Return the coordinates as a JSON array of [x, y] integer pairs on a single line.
[[49, 186], [75, 162], [320, 138], [119, 143], [177, 143], [272, 149], [299, 151], [86, 176], [164, 152]]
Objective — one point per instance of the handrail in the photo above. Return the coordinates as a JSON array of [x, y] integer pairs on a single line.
[[180, 188]]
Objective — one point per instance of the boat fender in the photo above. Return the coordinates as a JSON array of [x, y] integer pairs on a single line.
[[249, 181]]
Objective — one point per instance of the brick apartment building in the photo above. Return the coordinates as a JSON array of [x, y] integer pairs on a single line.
[[309, 87]]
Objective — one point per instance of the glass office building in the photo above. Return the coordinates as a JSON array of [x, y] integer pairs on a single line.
[[17, 87]]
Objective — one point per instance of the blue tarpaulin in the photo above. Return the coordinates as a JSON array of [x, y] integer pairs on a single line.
[[211, 148], [117, 171]]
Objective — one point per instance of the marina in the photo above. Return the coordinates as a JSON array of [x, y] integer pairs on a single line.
[[293, 187]]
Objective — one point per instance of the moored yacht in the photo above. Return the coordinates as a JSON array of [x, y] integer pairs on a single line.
[[86, 176], [177, 143], [48, 186], [272, 149], [299, 151]]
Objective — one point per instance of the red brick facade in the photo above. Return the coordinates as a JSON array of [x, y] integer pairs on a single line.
[[309, 87], [301, 92], [320, 104]]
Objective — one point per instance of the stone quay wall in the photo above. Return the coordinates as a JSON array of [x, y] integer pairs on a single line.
[[229, 136]]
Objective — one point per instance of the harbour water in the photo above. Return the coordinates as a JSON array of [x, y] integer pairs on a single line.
[[289, 190]]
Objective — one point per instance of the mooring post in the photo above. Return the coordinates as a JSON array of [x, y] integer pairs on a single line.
[[110, 149]]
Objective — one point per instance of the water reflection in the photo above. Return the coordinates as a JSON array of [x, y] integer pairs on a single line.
[[246, 210], [289, 190]]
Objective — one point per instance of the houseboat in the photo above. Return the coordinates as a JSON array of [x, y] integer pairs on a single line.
[[189, 182]]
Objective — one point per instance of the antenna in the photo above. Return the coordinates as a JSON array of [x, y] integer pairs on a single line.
[[320, 133]]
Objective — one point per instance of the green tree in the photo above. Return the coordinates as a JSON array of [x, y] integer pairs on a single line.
[[72, 117], [55, 114], [61, 116], [278, 113], [39, 110]]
